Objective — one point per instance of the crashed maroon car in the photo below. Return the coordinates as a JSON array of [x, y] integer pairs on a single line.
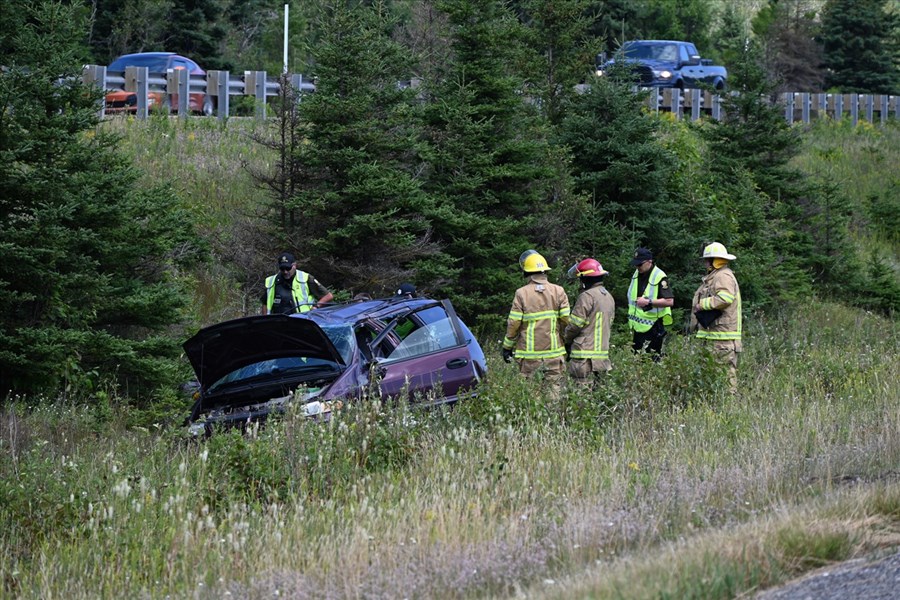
[[253, 367]]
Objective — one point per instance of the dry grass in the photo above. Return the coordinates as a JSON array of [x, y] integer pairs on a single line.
[[714, 498]]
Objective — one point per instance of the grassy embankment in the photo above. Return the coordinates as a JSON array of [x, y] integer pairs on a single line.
[[657, 486]]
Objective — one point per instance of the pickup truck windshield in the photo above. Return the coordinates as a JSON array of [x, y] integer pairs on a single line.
[[663, 52]]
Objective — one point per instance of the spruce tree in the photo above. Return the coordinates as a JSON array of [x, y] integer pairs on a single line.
[[489, 169], [621, 171], [861, 47], [88, 277], [357, 214]]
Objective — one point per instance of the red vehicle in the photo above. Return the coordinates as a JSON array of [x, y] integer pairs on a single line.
[[158, 64]]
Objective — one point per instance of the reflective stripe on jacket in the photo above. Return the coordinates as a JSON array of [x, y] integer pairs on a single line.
[[589, 326], [719, 290], [299, 292], [642, 320], [539, 313]]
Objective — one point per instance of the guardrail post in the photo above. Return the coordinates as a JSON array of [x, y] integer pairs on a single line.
[[838, 107], [260, 93], [184, 93], [696, 103], [677, 105], [788, 107], [896, 101], [821, 105], [854, 109], [95, 75], [805, 107], [217, 85], [137, 81], [883, 108], [870, 108], [717, 107]]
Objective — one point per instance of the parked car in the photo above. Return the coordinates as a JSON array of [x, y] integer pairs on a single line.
[[251, 367], [158, 63], [666, 64]]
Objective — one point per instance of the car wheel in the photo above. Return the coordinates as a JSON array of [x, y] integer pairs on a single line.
[[208, 108], [720, 85]]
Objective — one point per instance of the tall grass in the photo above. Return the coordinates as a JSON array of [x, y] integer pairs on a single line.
[[657, 484]]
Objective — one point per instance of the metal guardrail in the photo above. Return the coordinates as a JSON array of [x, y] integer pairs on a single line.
[[176, 85], [799, 107]]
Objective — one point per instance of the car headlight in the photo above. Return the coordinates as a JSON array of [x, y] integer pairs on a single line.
[[599, 72], [664, 74]]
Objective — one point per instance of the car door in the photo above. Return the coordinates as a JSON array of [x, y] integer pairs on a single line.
[[427, 355], [691, 69]]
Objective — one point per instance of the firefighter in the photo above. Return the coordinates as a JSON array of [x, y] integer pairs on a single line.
[[539, 313], [587, 334], [716, 315], [650, 301], [288, 292]]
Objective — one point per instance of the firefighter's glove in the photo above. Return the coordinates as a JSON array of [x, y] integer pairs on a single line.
[[507, 355]]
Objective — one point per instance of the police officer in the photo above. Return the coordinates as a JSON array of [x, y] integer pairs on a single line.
[[716, 314], [287, 292], [589, 324], [650, 301], [540, 311]]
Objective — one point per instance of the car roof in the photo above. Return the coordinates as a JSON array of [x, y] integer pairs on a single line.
[[355, 312]]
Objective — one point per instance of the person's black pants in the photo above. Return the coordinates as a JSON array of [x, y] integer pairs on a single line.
[[650, 340]]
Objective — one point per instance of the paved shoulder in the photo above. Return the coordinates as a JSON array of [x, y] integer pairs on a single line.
[[865, 578]]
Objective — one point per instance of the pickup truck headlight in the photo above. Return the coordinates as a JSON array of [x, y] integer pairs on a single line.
[[664, 74], [599, 72]]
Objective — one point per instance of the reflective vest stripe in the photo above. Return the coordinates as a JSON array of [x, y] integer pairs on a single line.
[[531, 354], [576, 320], [602, 354], [718, 335]]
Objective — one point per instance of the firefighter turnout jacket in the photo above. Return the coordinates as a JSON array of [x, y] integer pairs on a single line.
[[719, 290], [539, 314], [589, 327]]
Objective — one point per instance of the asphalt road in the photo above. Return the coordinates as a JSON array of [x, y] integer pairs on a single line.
[[860, 579]]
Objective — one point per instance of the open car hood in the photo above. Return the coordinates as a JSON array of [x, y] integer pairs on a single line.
[[220, 349]]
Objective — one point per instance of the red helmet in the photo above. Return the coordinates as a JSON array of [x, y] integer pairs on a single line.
[[589, 267]]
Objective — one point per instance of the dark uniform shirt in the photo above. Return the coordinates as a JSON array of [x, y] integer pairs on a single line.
[[665, 290]]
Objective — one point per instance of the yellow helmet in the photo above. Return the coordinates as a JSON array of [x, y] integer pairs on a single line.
[[532, 262], [717, 250]]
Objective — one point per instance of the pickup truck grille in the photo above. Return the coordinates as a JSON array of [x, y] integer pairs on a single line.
[[645, 74]]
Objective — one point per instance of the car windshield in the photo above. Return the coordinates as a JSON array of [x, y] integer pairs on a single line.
[[340, 335], [666, 52], [156, 64]]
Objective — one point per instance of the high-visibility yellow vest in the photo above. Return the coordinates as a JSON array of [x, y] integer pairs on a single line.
[[642, 320], [299, 291]]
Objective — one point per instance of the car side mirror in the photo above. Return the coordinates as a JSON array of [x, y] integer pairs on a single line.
[[693, 61]]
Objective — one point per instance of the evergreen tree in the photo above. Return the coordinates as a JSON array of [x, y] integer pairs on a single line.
[[621, 172], [87, 279], [196, 29], [862, 53], [489, 158], [730, 37], [355, 214], [787, 30], [564, 53], [788, 225]]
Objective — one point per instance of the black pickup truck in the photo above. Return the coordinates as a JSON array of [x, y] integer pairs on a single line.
[[666, 64]]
